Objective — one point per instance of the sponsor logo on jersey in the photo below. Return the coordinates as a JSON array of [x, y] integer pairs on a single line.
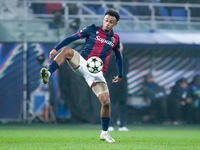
[[98, 38]]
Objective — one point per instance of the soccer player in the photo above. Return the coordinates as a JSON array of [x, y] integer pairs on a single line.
[[100, 40]]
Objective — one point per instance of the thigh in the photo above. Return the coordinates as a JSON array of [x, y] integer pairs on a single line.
[[75, 60], [91, 78], [80, 70], [99, 88]]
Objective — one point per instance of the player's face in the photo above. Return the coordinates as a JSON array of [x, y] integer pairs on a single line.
[[109, 22]]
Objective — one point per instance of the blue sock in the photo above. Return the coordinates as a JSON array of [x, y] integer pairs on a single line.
[[53, 66], [105, 123]]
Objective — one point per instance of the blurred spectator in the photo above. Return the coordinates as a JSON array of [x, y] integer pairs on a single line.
[[74, 23], [156, 95], [57, 21], [51, 8], [38, 8], [73, 10], [195, 91], [118, 93], [180, 102]]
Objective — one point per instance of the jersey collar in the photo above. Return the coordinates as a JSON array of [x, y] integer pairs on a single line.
[[110, 33]]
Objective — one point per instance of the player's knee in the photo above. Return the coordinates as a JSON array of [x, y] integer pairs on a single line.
[[106, 102], [68, 53]]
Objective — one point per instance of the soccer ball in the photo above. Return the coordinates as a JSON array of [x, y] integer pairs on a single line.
[[94, 64]]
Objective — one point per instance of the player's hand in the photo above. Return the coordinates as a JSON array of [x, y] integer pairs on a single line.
[[52, 54], [116, 79]]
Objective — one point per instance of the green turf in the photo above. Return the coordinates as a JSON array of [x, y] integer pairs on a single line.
[[86, 137]]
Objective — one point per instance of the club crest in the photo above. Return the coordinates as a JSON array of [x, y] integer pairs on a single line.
[[113, 39]]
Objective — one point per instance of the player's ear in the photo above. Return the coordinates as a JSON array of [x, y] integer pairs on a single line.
[[103, 19]]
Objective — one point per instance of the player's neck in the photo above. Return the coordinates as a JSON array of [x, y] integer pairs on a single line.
[[106, 31]]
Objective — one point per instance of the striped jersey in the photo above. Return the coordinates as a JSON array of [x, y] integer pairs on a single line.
[[99, 43]]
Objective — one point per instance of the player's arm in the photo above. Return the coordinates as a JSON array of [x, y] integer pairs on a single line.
[[63, 43], [119, 63], [79, 35]]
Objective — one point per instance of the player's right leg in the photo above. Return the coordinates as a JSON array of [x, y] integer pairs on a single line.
[[105, 117], [65, 54], [101, 91]]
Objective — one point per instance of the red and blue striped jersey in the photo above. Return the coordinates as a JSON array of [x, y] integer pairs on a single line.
[[99, 43]]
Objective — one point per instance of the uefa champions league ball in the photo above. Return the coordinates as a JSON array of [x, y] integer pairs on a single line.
[[94, 64]]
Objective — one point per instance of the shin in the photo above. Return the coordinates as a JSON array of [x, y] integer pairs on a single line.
[[105, 104]]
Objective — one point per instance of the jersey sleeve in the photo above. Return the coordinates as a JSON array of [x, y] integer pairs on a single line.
[[119, 63], [118, 58], [117, 47], [85, 31], [66, 41]]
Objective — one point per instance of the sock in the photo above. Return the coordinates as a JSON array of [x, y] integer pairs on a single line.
[[53, 66], [105, 123], [104, 132]]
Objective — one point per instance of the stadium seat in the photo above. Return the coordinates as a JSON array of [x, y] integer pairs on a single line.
[[122, 13], [101, 11], [164, 13], [179, 12]]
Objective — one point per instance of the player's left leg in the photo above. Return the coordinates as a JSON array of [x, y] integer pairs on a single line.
[[66, 54], [101, 90]]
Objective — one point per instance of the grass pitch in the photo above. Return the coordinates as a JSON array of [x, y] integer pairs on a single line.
[[86, 137]]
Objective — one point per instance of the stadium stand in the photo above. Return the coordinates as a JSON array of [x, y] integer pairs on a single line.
[[134, 16], [28, 29]]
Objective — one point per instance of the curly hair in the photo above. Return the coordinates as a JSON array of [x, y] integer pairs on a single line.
[[113, 12]]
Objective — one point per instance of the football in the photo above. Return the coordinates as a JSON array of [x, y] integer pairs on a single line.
[[94, 64]]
